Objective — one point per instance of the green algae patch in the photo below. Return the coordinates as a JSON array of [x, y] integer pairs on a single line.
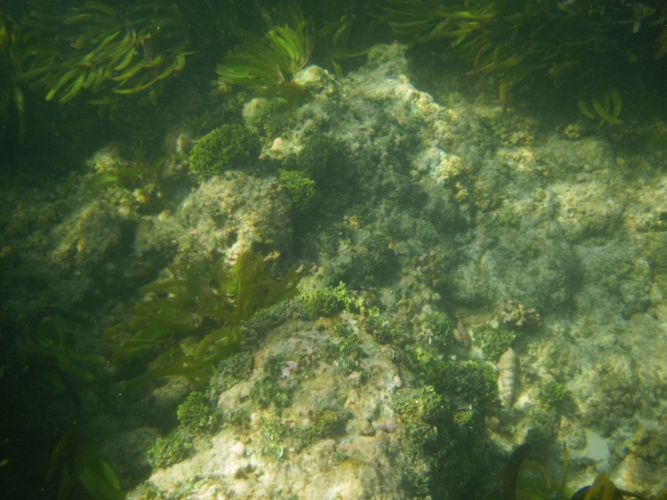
[[223, 148], [552, 393], [269, 118], [328, 301], [170, 450], [196, 414], [300, 188]]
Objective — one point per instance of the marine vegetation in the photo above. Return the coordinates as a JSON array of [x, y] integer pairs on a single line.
[[584, 45], [198, 420], [300, 187], [494, 340], [271, 60], [44, 344], [331, 47], [100, 48], [171, 449], [11, 94], [76, 463], [271, 118], [526, 479], [208, 306], [196, 415], [326, 302], [220, 150], [552, 393], [323, 159], [279, 436]]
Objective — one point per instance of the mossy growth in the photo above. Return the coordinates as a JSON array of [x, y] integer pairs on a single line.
[[270, 118], [223, 148], [278, 435], [230, 371], [326, 302], [324, 423], [440, 329], [420, 409], [300, 187], [267, 392], [378, 327], [323, 159], [346, 353], [198, 419], [273, 431], [468, 384], [196, 414], [494, 340], [552, 393], [170, 450]]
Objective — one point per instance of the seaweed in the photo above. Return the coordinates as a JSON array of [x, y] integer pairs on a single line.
[[261, 62], [567, 43], [10, 89], [120, 50], [300, 188], [605, 102], [196, 415], [220, 149], [211, 307], [80, 468], [45, 342]]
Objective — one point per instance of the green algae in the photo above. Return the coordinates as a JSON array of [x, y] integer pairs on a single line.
[[271, 119], [552, 393], [169, 450], [270, 60], [326, 302], [78, 467], [301, 189], [188, 304], [225, 147], [196, 414]]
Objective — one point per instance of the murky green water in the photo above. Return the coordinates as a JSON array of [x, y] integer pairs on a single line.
[[332, 249]]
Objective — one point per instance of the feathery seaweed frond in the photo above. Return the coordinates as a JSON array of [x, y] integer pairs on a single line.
[[270, 60]]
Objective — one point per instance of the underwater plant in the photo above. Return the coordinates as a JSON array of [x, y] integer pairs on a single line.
[[44, 341], [552, 393], [10, 89], [271, 60], [300, 188], [210, 306], [571, 44], [80, 467], [606, 104], [171, 449], [271, 118], [527, 479], [196, 415], [220, 149], [124, 50], [328, 301], [426, 21], [332, 40]]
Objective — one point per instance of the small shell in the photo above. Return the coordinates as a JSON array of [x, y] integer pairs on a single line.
[[507, 375]]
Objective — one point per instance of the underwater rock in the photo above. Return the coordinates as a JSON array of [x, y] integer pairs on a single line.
[[225, 215], [335, 435], [508, 366]]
